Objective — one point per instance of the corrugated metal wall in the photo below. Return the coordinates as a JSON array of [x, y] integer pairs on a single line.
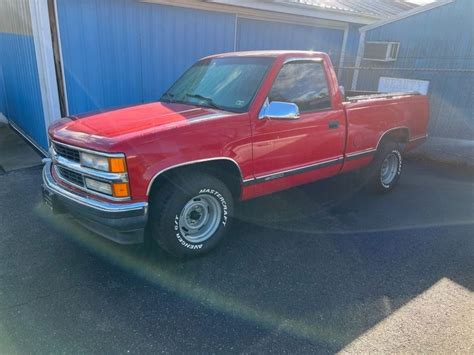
[[257, 34], [435, 45], [3, 100], [120, 52], [20, 75]]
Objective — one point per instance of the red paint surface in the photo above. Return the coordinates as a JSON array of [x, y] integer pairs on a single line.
[[157, 136]]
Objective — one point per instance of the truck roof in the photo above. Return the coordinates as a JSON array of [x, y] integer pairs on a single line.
[[269, 53]]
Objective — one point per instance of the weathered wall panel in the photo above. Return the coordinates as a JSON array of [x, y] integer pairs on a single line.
[[120, 52], [20, 75], [3, 100], [435, 45], [257, 34]]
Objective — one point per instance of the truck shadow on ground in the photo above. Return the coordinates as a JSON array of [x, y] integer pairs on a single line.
[[322, 263]]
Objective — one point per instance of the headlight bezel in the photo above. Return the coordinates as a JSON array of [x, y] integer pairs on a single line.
[[109, 164], [115, 164]]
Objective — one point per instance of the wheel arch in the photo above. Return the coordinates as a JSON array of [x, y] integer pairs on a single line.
[[224, 168], [398, 134]]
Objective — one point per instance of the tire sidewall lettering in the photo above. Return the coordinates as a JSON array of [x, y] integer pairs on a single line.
[[181, 239], [221, 199], [224, 219]]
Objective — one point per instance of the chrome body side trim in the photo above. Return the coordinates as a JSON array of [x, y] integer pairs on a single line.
[[53, 186], [360, 154], [150, 184], [299, 170], [414, 139]]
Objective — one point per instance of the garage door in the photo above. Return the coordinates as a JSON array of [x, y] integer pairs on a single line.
[[260, 34]]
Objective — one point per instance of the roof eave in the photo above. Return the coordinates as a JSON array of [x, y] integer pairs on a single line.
[[405, 14], [326, 14]]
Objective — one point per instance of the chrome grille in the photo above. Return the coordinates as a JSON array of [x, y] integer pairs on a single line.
[[71, 176], [67, 153], [68, 168]]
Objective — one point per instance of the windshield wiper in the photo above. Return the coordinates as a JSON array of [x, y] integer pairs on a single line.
[[208, 100], [167, 96]]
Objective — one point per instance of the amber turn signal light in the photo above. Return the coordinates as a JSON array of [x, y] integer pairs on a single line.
[[117, 165], [120, 190]]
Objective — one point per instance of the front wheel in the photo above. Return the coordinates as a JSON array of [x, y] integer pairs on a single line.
[[385, 170], [190, 215]]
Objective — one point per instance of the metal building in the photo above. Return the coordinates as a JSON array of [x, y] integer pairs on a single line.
[[430, 49], [67, 57]]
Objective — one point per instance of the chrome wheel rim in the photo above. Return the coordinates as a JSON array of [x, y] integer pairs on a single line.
[[389, 169], [200, 217]]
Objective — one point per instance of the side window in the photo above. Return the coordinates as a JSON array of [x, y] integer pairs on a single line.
[[303, 83]]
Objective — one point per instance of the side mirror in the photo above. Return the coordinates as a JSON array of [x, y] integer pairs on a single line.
[[280, 110]]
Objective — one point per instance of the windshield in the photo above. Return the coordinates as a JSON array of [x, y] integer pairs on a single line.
[[224, 83]]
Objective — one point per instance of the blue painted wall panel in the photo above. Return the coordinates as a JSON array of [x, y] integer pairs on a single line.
[[437, 39], [21, 84], [3, 100], [120, 52], [258, 34]]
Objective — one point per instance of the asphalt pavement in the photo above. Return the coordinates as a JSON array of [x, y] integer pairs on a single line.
[[322, 268]]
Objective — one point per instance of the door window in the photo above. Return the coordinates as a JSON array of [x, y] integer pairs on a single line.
[[302, 83]]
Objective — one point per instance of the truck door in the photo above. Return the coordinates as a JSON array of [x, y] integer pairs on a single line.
[[311, 146]]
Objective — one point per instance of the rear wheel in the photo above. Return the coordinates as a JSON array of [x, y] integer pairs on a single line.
[[190, 215], [384, 172]]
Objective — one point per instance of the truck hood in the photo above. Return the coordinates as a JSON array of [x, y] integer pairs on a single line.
[[108, 126]]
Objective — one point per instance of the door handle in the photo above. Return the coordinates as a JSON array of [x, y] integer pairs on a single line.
[[333, 124]]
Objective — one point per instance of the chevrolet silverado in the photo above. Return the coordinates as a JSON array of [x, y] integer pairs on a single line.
[[233, 127]]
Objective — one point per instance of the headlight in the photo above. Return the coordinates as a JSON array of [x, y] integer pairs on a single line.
[[98, 186], [95, 161], [116, 189], [98, 162]]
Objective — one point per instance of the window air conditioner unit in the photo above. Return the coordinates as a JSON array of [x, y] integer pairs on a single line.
[[381, 51]]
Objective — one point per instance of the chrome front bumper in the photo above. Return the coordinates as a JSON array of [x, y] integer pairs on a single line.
[[123, 223]]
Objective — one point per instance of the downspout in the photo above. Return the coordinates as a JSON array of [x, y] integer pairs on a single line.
[[343, 51], [360, 53]]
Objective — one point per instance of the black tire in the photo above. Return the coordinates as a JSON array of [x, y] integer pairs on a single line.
[[379, 182], [167, 218]]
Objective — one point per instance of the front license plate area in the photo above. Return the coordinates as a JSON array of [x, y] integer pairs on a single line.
[[51, 202], [48, 198]]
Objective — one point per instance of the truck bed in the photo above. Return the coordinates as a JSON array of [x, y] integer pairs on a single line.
[[370, 116]]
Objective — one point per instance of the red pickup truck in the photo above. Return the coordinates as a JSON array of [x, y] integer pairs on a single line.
[[233, 127]]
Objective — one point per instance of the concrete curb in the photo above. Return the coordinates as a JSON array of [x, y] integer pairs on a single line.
[[453, 153]]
